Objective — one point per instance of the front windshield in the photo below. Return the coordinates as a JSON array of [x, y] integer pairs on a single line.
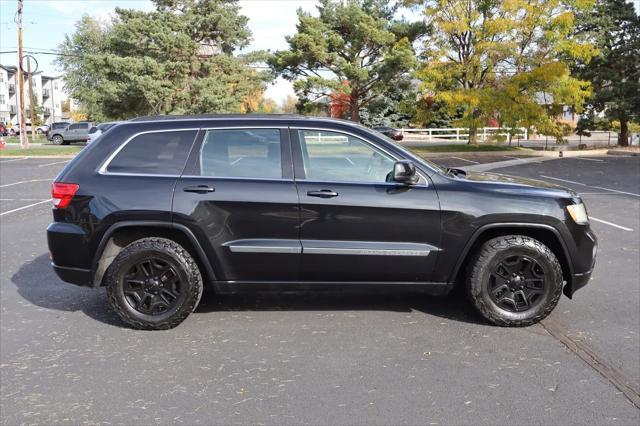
[[408, 154]]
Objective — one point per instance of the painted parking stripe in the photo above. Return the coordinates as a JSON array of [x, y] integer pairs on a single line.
[[25, 207], [592, 186], [14, 159], [624, 228], [51, 164], [464, 159], [26, 181], [588, 159]]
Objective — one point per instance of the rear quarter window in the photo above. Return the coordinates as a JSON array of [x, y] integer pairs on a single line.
[[158, 153]]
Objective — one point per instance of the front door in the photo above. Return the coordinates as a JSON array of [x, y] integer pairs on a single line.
[[238, 195], [356, 226]]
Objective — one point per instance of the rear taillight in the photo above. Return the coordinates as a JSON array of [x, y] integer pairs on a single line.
[[62, 193]]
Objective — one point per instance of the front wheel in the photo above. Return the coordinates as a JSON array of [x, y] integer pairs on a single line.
[[57, 140], [514, 281], [154, 284]]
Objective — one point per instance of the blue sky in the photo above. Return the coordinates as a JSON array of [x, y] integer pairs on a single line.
[[47, 21]]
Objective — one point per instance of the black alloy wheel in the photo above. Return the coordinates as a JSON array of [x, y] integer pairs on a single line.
[[517, 284], [152, 286], [514, 280]]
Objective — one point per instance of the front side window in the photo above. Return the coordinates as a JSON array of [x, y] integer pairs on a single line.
[[241, 153], [159, 153], [334, 156]]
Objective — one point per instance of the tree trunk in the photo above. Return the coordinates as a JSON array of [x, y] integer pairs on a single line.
[[473, 136], [623, 140], [354, 106]]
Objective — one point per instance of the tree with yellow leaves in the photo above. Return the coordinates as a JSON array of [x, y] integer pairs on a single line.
[[505, 60]]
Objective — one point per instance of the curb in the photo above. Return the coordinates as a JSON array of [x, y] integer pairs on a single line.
[[624, 152]]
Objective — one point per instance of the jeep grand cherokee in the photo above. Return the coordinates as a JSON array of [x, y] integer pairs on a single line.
[[158, 207]]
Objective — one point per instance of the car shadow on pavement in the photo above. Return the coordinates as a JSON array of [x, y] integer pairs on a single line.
[[37, 283], [453, 307]]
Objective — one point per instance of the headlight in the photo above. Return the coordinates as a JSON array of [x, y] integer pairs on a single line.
[[578, 213]]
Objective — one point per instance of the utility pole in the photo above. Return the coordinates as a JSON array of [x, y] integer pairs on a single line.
[[32, 103], [24, 139]]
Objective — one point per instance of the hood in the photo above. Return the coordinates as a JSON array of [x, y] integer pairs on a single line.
[[516, 183]]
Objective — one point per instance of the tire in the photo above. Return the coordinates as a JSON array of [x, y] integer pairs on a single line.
[[530, 289], [39, 131], [141, 305], [57, 140]]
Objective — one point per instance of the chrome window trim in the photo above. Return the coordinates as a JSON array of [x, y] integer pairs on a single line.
[[103, 168], [236, 178], [368, 142]]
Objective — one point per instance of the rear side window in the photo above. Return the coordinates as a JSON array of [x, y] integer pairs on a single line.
[[159, 153], [241, 153]]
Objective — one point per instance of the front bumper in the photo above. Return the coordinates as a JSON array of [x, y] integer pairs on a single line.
[[587, 250]]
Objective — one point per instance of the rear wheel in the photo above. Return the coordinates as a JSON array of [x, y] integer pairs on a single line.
[[514, 281], [154, 284]]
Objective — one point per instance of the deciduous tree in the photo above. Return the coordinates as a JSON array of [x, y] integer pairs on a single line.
[[494, 58]]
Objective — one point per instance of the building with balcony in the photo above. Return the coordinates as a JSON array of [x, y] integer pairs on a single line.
[[48, 92]]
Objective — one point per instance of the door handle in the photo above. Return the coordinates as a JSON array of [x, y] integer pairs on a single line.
[[323, 193], [199, 189]]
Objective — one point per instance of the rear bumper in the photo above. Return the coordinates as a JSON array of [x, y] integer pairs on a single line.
[[77, 276]]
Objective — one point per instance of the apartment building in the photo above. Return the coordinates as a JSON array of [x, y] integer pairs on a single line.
[[48, 92]]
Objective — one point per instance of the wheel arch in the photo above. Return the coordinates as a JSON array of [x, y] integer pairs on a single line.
[[120, 234], [546, 234]]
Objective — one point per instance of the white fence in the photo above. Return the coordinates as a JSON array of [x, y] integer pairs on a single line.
[[462, 134]]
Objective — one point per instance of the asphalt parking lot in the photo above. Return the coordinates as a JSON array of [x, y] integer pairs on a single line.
[[328, 358]]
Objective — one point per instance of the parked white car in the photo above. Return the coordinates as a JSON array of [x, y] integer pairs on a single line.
[[15, 130], [99, 129]]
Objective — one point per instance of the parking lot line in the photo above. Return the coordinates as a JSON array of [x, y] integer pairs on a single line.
[[25, 181], [597, 187], [25, 207], [624, 228], [14, 159], [588, 159], [464, 159], [51, 164]]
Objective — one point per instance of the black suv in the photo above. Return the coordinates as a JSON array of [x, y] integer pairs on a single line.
[[158, 206]]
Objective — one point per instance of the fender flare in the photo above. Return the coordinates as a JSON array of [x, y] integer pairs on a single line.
[[156, 224], [489, 226]]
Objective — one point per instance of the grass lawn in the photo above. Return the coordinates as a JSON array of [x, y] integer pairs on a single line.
[[464, 148], [11, 151], [16, 139]]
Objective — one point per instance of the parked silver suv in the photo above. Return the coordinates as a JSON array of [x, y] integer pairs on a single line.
[[75, 132]]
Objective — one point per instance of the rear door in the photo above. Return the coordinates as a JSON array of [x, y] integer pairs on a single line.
[[238, 195], [356, 226]]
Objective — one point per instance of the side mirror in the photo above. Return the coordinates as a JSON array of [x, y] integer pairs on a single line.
[[404, 171]]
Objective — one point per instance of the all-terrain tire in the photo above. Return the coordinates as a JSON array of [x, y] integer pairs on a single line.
[[489, 256], [184, 265]]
